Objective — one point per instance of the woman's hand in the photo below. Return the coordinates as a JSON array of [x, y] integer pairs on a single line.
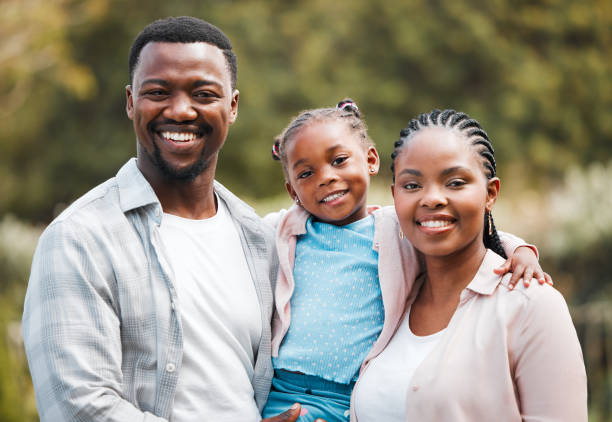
[[523, 264]]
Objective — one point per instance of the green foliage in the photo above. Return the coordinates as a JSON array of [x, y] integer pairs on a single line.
[[536, 74]]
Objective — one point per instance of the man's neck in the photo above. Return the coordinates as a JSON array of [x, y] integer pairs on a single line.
[[194, 199]]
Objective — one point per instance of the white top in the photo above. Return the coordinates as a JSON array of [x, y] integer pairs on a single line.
[[380, 394], [220, 317]]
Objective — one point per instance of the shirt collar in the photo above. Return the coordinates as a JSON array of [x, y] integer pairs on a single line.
[[486, 281], [134, 190]]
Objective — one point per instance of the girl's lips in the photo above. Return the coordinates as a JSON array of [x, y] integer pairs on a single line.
[[333, 197]]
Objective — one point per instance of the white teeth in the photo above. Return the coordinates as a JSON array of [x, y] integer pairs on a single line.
[[435, 223], [333, 196], [179, 136]]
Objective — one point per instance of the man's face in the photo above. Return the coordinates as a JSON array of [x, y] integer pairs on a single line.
[[181, 103]]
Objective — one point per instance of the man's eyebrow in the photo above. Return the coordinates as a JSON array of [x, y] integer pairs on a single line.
[[162, 82], [204, 82]]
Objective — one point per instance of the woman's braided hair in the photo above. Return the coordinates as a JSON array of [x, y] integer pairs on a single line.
[[345, 111], [477, 137]]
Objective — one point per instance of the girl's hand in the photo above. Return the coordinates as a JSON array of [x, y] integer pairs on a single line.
[[523, 264]]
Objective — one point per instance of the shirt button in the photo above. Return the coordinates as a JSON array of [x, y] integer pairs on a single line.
[[415, 388], [170, 367]]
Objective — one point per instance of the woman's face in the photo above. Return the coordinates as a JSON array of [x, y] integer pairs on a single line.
[[441, 192]]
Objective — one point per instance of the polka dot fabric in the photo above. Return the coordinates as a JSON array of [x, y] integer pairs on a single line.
[[336, 308]]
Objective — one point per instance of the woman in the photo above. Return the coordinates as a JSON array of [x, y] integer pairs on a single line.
[[468, 348]]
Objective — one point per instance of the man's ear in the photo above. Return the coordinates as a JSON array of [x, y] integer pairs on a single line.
[[129, 102], [234, 106]]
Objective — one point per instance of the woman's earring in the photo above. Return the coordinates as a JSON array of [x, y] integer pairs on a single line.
[[297, 201], [372, 171], [401, 234], [490, 224]]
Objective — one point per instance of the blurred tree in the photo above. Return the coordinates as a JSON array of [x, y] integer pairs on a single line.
[[536, 74]]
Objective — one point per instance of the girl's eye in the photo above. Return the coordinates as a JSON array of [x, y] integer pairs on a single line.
[[456, 183], [339, 160], [304, 174]]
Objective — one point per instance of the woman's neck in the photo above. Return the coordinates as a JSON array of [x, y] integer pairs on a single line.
[[448, 275]]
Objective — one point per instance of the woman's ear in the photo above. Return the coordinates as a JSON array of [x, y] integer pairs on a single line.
[[492, 192]]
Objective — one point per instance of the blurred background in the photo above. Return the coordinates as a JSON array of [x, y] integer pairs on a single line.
[[536, 74]]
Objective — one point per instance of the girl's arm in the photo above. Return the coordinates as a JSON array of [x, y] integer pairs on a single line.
[[522, 261]]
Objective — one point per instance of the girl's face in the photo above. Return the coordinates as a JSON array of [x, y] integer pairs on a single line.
[[328, 170], [441, 192]]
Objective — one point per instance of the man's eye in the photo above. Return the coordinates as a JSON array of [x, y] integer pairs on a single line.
[[156, 92], [204, 94]]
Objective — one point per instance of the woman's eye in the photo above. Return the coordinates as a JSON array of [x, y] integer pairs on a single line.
[[304, 174], [410, 186], [456, 183], [339, 160]]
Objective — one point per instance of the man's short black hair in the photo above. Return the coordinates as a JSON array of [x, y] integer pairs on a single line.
[[183, 29]]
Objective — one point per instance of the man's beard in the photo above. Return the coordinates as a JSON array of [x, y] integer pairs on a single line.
[[187, 174]]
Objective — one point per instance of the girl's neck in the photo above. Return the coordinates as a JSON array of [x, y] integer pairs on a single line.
[[447, 276]]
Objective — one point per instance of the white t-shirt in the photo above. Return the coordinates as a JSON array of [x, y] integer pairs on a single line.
[[380, 394], [220, 317]]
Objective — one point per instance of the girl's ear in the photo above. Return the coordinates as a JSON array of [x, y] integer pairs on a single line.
[[291, 191], [492, 192], [373, 161]]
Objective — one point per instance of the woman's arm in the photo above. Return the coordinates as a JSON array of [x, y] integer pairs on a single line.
[[548, 367]]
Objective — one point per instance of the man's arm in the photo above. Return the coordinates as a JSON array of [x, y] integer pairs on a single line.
[[71, 331]]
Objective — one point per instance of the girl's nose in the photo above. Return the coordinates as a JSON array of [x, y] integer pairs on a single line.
[[327, 176]]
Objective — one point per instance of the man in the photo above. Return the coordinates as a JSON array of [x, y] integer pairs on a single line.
[[150, 297]]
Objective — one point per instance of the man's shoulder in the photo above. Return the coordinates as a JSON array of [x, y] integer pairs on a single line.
[[97, 202]]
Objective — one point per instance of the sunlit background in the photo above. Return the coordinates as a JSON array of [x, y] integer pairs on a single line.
[[536, 74]]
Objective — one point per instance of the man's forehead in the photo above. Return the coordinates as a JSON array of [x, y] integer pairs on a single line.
[[156, 55]]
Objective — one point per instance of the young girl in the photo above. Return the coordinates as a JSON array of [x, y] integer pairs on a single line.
[[469, 348], [345, 270]]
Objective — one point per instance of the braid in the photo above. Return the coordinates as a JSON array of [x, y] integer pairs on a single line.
[[477, 137], [491, 241], [346, 111]]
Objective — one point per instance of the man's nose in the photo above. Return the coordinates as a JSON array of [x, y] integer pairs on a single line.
[[180, 108]]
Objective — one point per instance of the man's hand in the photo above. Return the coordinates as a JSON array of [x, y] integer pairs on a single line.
[[290, 415]]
